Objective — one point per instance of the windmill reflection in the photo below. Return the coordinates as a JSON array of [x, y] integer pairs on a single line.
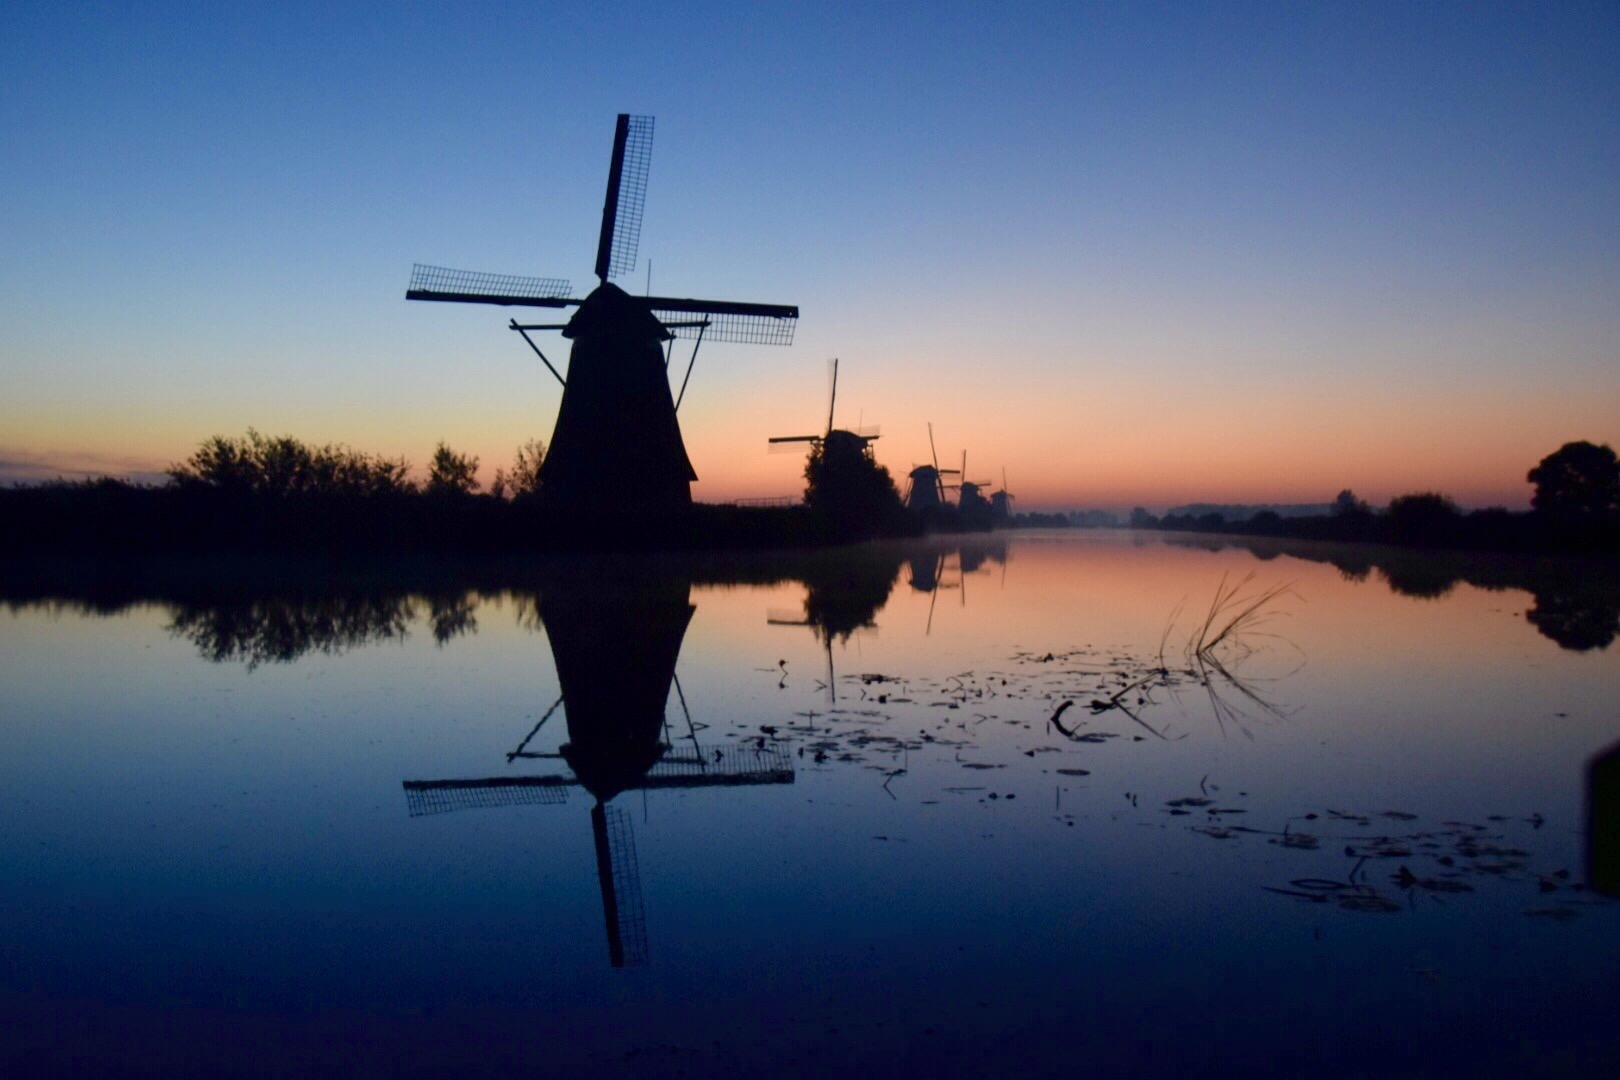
[[1603, 821], [841, 598], [615, 642], [931, 571]]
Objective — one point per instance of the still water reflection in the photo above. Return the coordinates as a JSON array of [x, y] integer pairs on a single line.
[[1007, 804]]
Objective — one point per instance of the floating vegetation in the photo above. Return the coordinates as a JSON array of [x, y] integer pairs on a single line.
[[1463, 855]]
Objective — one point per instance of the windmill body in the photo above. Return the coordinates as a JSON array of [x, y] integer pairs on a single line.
[[925, 488], [617, 441], [617, 444]]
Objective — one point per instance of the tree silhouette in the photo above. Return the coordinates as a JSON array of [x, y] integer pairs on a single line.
[[1579, 481], [524, 477], [450, 473], [1347, 505], [844, 482], [1425, 517]]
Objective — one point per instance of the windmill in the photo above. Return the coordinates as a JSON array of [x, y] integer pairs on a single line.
[[927, 488], [842, 478], [968, 498], [616, 440], [1001, 503], [859, 440]]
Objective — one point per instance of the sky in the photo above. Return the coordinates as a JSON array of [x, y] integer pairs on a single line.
[[1126, 253]]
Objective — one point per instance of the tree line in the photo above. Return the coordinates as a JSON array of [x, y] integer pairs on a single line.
[[1576, 507], [283, 466]]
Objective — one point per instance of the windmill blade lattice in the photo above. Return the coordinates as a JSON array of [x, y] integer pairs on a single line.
[[739, 327], [443, 283], [626, 194], [620, 879], [424, 797]]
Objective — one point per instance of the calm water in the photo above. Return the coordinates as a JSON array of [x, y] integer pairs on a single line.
[[793, 816]]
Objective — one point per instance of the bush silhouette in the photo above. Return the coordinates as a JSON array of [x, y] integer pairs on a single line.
[[1425, 517], [282, 465]]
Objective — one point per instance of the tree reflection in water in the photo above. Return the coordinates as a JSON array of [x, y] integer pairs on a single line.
[[1575, 603]]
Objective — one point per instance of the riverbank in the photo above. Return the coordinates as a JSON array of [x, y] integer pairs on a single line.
[[1431, 524], [111, 518]]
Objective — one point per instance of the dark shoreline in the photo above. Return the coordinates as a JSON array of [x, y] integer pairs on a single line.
[[112, 519], [1493, 530]]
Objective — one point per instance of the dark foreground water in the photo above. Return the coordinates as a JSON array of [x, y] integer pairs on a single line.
[[801, 816]]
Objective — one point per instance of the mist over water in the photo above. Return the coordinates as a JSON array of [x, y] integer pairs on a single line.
[[808, 812]]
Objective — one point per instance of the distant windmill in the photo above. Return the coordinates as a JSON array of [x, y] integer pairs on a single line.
[[927, 488], [1001, 503], [860, 439], [968, 497], [617, 441]]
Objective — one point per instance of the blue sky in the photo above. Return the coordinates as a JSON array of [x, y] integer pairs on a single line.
[[1130, 252]]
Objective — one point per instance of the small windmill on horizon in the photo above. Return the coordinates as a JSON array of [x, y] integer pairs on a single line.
[[1001, 502], [927, 487], [969, 493], [617, 442], [859, 439]]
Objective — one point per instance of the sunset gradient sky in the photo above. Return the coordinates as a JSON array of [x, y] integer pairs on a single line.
[[1130, 253]]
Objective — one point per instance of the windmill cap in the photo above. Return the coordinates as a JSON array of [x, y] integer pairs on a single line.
[[611, 310]]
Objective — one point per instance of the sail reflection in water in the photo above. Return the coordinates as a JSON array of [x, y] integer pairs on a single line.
[[615, 641]]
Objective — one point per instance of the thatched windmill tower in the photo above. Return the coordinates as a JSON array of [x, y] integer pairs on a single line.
[[617, 444]]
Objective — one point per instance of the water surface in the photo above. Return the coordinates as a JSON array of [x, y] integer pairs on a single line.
[[803, 813]]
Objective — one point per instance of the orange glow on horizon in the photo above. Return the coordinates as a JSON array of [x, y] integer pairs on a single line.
[[1062, 448]]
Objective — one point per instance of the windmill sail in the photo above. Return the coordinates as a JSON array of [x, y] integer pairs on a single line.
[[424, 797], [473, 287], [620, 879], [743, 324], [626, 194]]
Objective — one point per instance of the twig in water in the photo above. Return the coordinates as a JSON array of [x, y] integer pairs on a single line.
[[1054, 720]]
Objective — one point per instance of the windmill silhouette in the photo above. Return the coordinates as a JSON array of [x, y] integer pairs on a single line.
[[968, 497], [617, 441], [859, 440], [927, 488], [1001, 502], [840, 600]]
